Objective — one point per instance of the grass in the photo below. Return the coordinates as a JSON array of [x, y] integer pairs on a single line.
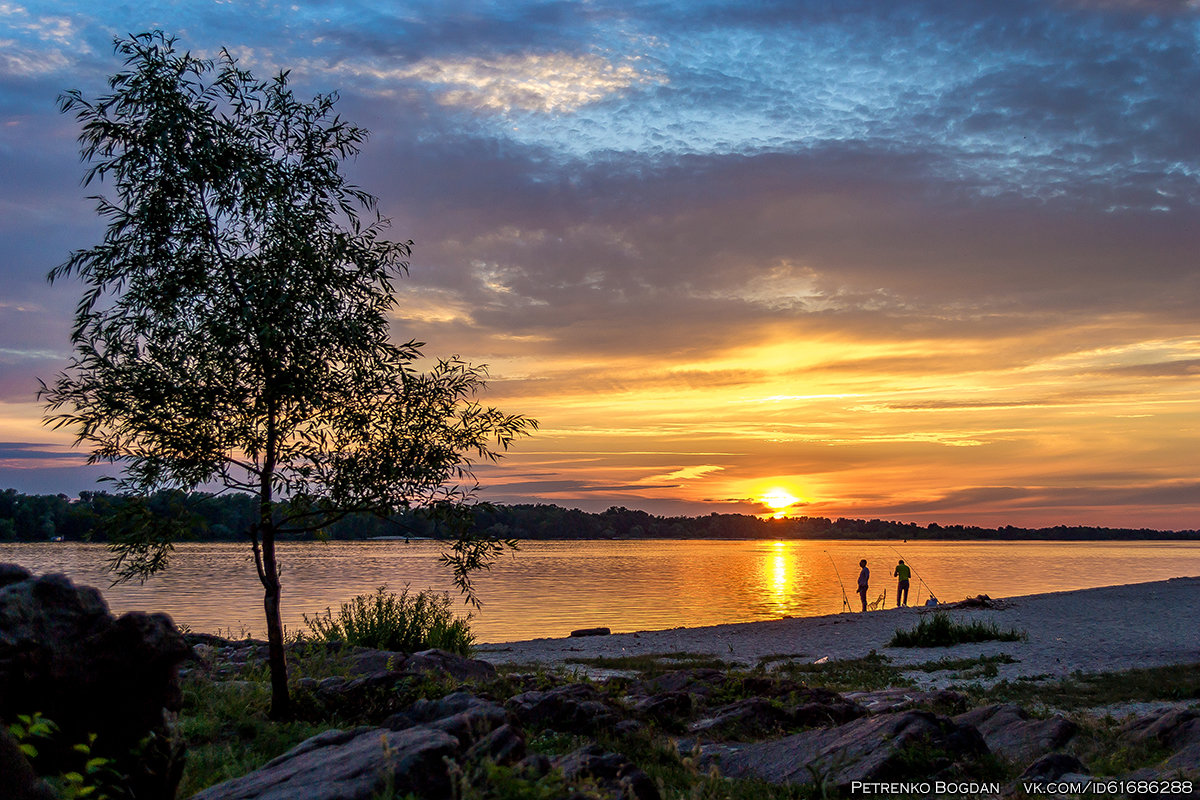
[[1107, 751], [962, 664], [651, 664], [962, 668], [228, 732], [388, 621], [869, 673], [940, 630], [1080, 691]]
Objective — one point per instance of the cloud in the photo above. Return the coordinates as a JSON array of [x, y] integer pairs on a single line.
[[789, 239], [542, 82], [1000, 498], [687, 473], [28, 455]]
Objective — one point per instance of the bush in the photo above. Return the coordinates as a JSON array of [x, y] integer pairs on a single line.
[[403, 622], [941, 631]]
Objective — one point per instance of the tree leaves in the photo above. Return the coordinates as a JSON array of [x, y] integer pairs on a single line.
[[234, 324]]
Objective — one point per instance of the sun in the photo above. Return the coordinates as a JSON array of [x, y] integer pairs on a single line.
[[778, 500]]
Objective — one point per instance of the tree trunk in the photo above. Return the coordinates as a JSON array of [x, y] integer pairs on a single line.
[[281, 702]]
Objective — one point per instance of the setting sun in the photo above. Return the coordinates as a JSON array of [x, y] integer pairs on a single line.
[[778, 499]]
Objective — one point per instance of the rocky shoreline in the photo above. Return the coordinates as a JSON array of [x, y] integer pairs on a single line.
[[670, 725]]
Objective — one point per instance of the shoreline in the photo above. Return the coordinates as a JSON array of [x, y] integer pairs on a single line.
[[1086, 630]]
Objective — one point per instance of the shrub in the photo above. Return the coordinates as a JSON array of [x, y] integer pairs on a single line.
[[941, 631], [389, 621]]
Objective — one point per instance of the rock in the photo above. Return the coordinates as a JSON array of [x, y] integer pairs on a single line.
[[611, 771], [1167, 774], [535, 764], [505, 745], [365, 661], [457, 703], [1176, 729], [753, 717], [978, 601], [701, 681], [906, 745], [353, 764], [369, 697], [1010, 732], [442, 662], [591, 632], [943, 701], [1052, 766], [575, 708], [63, 655], [479, 718], [822, 707], [666, 707], [628, 727], [12, 573], [470, 719], [1186, 759], [17, 778]]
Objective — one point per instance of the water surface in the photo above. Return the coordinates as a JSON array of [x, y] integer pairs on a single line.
[[551, 588]]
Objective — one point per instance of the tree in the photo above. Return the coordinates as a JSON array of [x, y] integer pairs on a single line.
[[235, 324]]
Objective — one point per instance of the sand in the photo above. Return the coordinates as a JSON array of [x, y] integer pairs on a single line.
[[1090, 630]]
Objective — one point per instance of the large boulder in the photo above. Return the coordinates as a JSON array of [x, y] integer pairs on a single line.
[[574, 708], [374, 695], [441, 662], [410, 755], [17, 778], [615, 775], [1010, 732], [62, 654], [353, 764], [1178, 730], [702, 682], [903, 746], [752, 717]]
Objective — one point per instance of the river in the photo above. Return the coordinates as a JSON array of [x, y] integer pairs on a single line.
[[549, 588]]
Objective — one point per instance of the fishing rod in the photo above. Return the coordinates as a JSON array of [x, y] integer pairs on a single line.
[[914, 572], [845, 600]]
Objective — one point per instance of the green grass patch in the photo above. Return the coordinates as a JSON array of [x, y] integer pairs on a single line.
[[388, 621], [1101, 745], [1146, 684], [962, 664], [650, 664], [228, 732], [962, 668], [872, 671], [939, 630]]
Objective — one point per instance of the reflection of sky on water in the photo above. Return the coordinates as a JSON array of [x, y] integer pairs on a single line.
[[551, 588]]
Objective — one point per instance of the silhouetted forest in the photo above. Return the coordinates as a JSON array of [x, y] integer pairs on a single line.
[[226, 517]]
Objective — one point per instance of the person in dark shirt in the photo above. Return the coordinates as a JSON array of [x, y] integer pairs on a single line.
[[864, 578], [903, 573]]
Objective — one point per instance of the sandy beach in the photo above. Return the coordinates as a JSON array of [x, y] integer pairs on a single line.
[[1090, 630]]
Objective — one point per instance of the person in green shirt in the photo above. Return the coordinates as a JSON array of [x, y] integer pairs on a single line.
[[903, 573]]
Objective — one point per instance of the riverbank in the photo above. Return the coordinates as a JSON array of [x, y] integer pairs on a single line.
[[1090, 630]]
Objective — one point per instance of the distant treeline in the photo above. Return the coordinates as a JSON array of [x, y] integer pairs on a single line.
[[40, 518]]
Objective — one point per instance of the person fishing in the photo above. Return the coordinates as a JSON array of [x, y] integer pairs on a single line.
[[902, 573], [864, 577]]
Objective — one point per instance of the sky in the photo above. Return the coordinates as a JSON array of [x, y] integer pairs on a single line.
[[916, 260]]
